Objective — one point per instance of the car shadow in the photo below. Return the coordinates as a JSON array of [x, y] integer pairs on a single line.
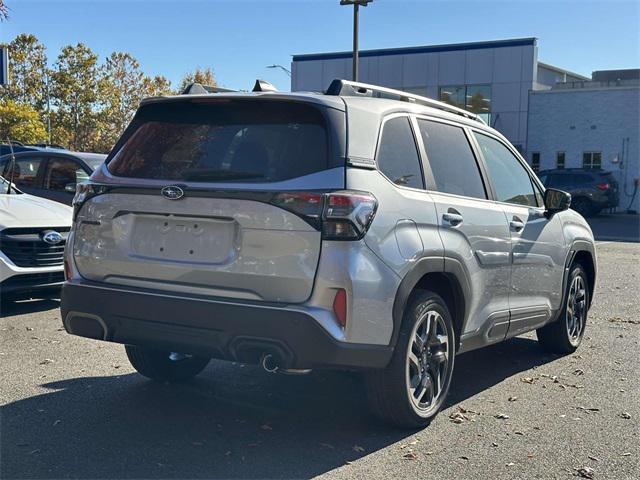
[[233, 421], [10, 307]]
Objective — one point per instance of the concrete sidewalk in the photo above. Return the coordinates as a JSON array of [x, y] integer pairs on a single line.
[[620, 227]]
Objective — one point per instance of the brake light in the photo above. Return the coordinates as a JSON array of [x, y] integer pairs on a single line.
[[340, 307], [348, 215], [603, 186], [84, 191], [343, 215]]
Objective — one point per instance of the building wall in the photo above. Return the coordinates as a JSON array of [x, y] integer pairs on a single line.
[[583, 120], [510, 70]]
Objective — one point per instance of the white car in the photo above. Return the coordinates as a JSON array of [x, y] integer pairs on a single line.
[[33, 232]]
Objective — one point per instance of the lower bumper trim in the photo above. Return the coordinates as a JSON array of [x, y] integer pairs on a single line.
[[229, 331]]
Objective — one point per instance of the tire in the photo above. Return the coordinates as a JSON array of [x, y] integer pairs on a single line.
[[163, 366], [389, 390], [565, 334], [583, 206]]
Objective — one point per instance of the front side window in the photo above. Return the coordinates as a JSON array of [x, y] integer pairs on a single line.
[[510, 179], [251, 141], [451, 159], [398, 155], [592, 160], [62, 175]]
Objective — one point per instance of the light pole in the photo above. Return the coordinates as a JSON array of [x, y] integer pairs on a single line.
[[284, 69], [356, 5]]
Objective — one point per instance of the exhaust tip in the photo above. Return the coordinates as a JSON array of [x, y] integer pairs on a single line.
[[270, 363], [86, 325]]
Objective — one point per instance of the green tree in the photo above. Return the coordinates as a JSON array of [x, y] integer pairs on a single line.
[[20, 122], [203, 76], [75, 84], [121, 89], [28, 70]]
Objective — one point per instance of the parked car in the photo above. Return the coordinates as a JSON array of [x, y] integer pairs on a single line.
[[5, 148], [364, 228], [50, 173], [33, 232], [592, 190]]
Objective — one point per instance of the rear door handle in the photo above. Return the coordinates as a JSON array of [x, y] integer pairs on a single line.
[[453, 218], [516, 224]]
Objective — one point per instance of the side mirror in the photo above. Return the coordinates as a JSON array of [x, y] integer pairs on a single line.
[[71, 188], [556, 200]]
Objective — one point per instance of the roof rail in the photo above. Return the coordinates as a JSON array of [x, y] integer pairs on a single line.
[[199, 89], [347, 88]]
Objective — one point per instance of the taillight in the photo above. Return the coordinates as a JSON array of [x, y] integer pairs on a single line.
[[347, 215], [340, 307], [84, 191], [342, 215], [602, 186]]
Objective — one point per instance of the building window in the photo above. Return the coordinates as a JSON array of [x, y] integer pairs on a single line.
[[560, 160], [474, 98], [535, 161], [592, 160]]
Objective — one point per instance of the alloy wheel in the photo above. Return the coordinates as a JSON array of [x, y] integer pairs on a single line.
[[576, 314], [427, 361]]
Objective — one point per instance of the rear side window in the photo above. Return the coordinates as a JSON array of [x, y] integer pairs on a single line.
[[398, 155], [510, 179], [223, 141], [452, 162]]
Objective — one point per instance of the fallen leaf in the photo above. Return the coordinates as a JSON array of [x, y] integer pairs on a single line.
[[46, 361], [513, 399], [528, 380], [406, 445], [578, 371], [625, 415], [510, 464], [625, 454], [29, 329], [585, 472], [595, 459], [502, 416], [410, 456], [357, 448], [494, 444], [463, 457]]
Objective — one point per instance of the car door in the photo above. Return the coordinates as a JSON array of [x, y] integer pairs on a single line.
[[27, 173], [61, 175], [473, 228], [537, 241]]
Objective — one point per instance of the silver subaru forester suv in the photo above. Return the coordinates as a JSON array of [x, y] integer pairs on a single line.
[[363, 229]]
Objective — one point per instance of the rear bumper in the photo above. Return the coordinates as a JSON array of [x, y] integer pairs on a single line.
[[235, 331]]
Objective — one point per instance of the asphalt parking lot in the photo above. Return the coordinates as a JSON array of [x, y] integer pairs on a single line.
[[74, 408]]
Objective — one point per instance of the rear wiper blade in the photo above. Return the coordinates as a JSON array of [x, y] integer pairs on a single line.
[[206, 174]]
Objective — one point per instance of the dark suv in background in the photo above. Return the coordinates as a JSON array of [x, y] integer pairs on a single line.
[[592, 190]]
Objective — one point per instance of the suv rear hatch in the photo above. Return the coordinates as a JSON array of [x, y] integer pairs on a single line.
[[218, 196]]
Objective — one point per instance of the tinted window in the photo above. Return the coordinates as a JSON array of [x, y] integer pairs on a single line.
[[62, 172], [25, 173], [254, 141], [510, 179], [398, 156], [452, 162]]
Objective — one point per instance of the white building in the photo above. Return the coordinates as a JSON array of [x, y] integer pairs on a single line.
[[590, 124], [492, 79]]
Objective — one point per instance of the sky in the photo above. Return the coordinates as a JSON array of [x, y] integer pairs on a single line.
[[239, 38]]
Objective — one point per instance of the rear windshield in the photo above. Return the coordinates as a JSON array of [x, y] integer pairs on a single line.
[[222, 141]]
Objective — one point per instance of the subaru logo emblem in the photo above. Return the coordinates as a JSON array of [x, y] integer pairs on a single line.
[[51, 237], [172, 192]]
